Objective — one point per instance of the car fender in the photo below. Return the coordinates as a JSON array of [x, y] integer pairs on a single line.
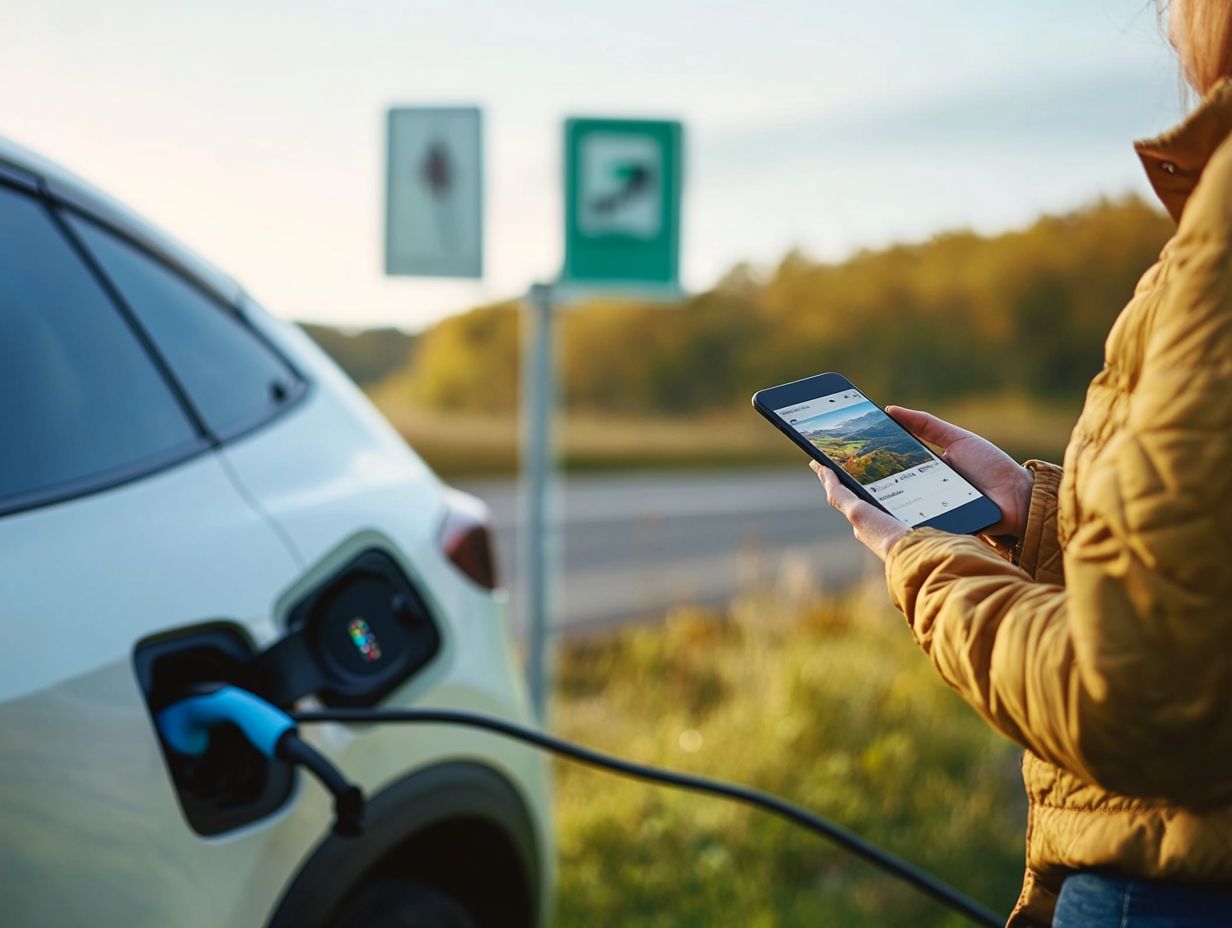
[[409, 806]]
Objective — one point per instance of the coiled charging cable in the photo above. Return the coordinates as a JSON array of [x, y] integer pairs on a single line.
[[274, 732]]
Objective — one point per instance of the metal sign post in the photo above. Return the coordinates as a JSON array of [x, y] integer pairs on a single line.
[[538, 464], [623, 183]]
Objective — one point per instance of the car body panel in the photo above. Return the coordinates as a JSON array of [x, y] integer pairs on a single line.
[[90, 828], [92, 832], [61, 564], [365, 474]]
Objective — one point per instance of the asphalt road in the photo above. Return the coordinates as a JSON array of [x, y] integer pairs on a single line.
[[635, 546]]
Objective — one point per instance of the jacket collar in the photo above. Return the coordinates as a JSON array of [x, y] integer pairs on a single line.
[[1174, 161]]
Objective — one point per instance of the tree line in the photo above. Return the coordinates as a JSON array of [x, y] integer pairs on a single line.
[[1024, 312]]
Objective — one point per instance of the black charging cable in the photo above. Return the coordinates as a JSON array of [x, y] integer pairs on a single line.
[[185, 727], [348, 798], [797, 815]]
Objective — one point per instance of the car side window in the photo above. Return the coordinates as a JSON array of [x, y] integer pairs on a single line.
[[232, 378], [80, 400]]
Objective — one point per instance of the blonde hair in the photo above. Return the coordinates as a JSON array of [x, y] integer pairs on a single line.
[[1203, 38]]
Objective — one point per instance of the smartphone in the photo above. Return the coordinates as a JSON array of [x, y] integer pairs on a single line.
[[874, 456]]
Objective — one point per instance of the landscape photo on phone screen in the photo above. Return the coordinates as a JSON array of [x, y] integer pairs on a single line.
[[864, 441], [911, 482]]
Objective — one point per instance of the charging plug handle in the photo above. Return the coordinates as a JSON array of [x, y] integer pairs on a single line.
[[185, 727], [348, 798]]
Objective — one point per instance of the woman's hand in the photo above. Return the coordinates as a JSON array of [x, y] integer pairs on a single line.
[[873, 528], [993, 472]]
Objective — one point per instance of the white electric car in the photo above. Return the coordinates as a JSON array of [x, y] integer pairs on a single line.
[[191, 493]]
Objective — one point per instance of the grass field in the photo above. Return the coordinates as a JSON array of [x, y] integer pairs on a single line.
[[469, 445], [832, 706]]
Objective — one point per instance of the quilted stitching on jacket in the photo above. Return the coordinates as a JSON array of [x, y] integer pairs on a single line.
[[1105, 650]]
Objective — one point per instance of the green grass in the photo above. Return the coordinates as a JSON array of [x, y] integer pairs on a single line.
[[831, 705]]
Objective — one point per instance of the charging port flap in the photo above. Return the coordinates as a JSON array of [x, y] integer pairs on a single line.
[[367, 630]]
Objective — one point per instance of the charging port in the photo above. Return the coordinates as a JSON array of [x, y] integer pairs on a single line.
[[231, 784]]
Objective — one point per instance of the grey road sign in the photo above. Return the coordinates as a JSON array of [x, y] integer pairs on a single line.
[[434, 192]]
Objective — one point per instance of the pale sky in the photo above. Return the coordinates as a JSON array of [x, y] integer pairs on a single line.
[[254, 131]]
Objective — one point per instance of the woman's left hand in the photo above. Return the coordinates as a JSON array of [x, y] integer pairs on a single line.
[[873, 528]]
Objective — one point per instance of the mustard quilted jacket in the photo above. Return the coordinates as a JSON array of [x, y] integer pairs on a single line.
[[1105, 649]]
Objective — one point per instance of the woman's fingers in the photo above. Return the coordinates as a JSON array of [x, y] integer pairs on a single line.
[[873, 528], [839, 496], [926, 426]]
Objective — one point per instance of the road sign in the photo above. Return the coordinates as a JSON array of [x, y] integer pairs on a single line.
[[434, 192], [623, 181]]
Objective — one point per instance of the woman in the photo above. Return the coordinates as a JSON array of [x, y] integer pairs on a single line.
[[1100, 640]]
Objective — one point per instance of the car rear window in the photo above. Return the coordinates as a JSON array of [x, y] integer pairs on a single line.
[[232, 377], [80, 399]]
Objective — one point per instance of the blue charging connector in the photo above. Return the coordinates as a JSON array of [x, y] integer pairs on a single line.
[[185, 728]]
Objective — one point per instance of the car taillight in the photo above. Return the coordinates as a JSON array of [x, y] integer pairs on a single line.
[[466, 538]]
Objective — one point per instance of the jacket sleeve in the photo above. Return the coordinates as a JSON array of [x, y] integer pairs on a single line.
[[1124, 674], [1039, 550]]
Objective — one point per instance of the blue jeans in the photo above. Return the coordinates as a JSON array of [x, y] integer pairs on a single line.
[[1101, 900]]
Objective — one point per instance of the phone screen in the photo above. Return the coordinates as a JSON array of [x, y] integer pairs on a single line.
[[911, 482]]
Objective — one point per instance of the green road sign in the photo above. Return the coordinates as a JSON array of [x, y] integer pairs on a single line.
[[623, 182]]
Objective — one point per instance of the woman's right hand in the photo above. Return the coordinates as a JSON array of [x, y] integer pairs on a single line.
[[994, 473]]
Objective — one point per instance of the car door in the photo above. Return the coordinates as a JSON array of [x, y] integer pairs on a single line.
[[118, 521]]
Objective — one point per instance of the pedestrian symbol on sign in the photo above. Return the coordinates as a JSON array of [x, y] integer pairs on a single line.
[[438, 169], [437, 173]]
